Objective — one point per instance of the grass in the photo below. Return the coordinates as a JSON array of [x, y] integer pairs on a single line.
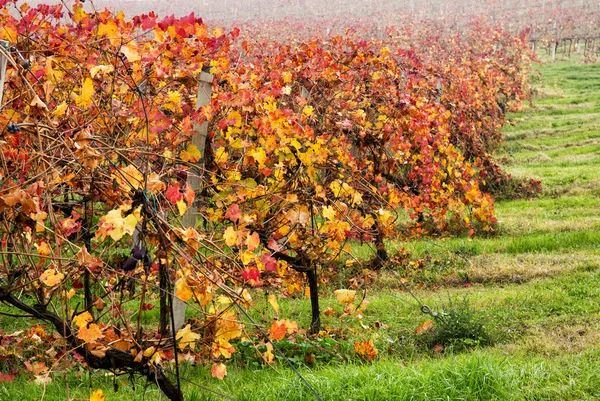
[[535, 286]]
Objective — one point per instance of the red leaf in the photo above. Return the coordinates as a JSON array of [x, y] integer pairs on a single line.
[[166, 22], [173, 194], [7, 377], [437, 348], [233, 213], [269, 262], [274, 245], [251, 273]]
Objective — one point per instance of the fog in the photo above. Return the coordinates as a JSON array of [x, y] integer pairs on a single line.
[[260, 10]]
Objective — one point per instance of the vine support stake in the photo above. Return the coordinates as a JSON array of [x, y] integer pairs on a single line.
[[194, 176], [4, 44]]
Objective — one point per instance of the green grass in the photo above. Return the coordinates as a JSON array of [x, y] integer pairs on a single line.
[[480, 375], [535, 284]]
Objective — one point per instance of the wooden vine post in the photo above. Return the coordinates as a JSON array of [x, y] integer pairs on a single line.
[[194, 177], [3, 61]]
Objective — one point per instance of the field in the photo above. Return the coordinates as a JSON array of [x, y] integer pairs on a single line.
[[534, 285]]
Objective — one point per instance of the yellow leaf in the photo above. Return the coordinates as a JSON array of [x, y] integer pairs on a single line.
[[247, 297], [84, 99], [148, 352], [130, 53], [51, 277], [114, 225], [187, 337], [129, 177], [308, 110], [104, 69], [222, 347], [221, 155], [273, 302], [108, 30], [60, 109], [235, 117], [259, 156], [268, 356], [191, 154], [89, 333], [219, 370], [345, 296], [247, 257], [329, 212], [290, 325], [287, 77], [97, 395], [82, 319], [181, 206], [230, 236], [174, 99], [9, 33]]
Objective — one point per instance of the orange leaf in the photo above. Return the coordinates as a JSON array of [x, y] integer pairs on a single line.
[[329, 311], [182, 290], [51, 277], [43, 249], [39, 367], [253, 241], [277, 331], [425, 326], [366, 349], [89, 333], [219, 370]]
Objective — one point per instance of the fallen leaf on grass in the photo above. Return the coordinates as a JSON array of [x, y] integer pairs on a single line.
[[424, 327], [98, 395], [219, 370]]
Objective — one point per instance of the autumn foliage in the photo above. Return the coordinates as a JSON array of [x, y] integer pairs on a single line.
[[311, 145]]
